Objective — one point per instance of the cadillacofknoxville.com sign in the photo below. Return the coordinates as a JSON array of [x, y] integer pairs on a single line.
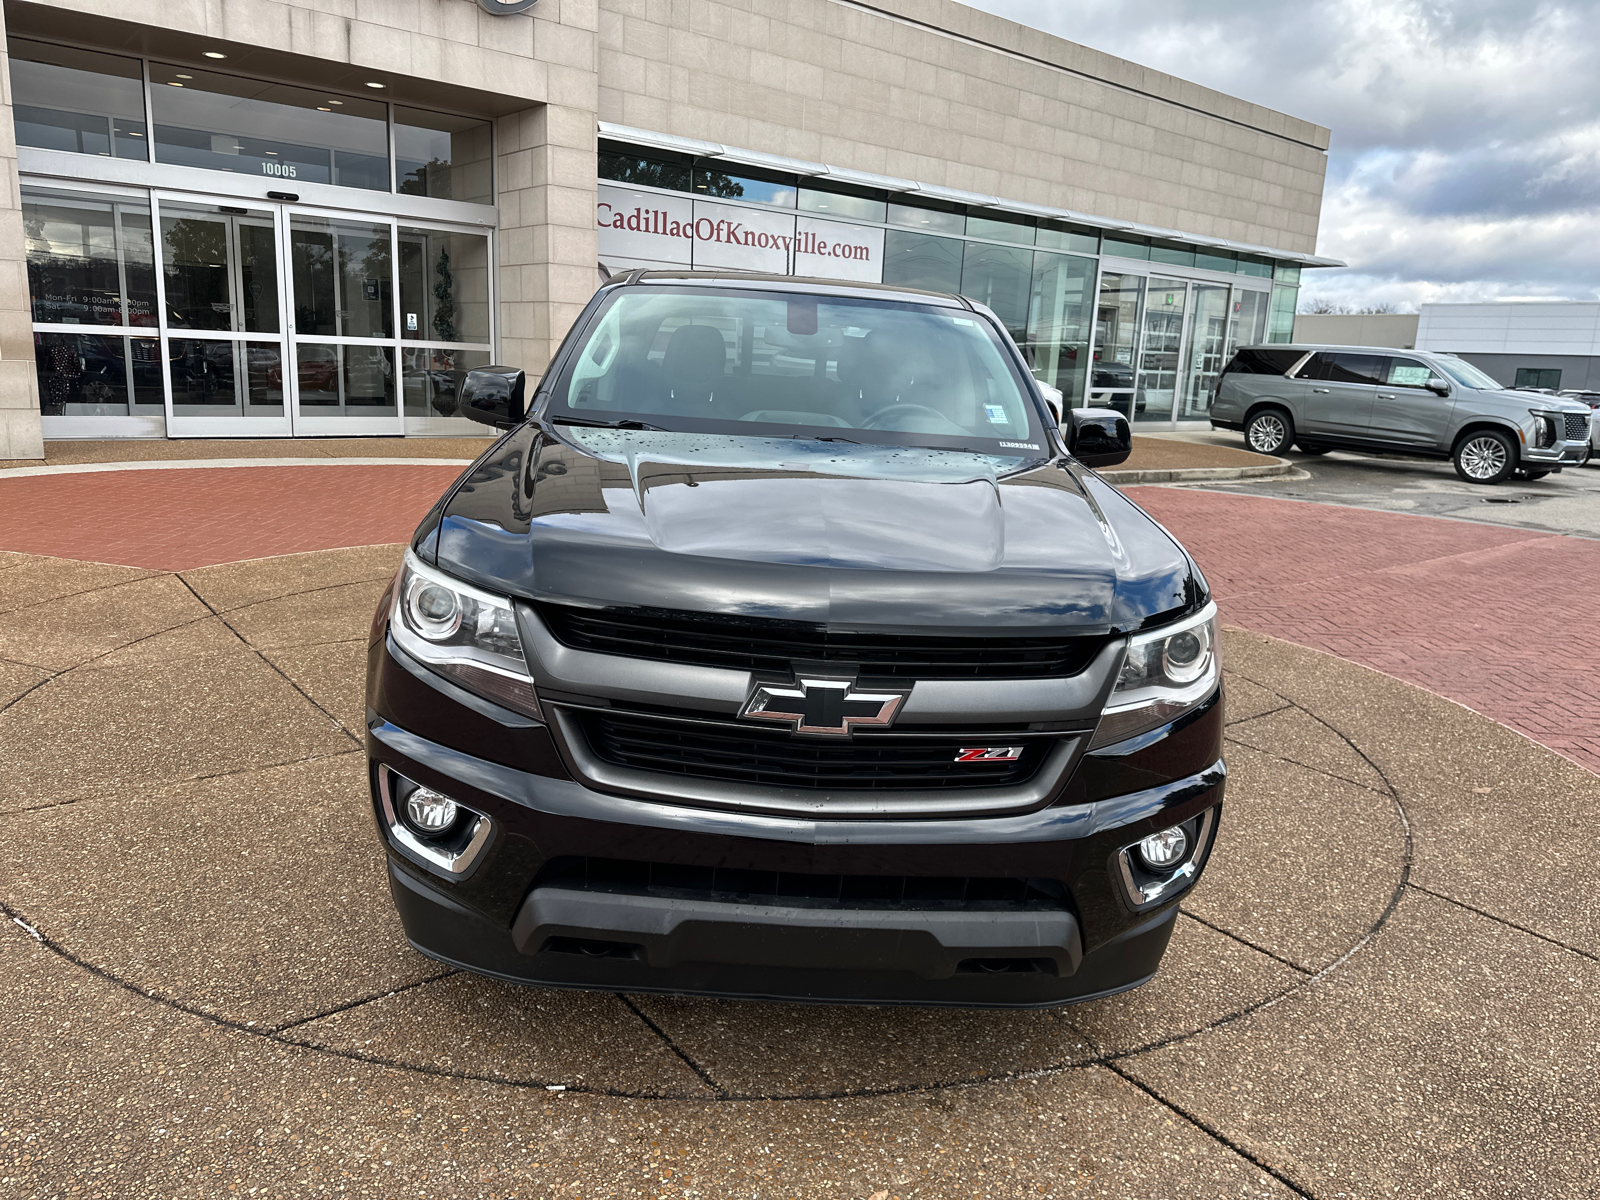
[[653, 229]]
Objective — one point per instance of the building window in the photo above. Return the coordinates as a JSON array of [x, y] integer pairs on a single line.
[[91, 277], [1538, 377], [1068, 237], [917, 260], [928, 218], [77, 100], [845, 205], [752, 189], [1059, 314], [446, 157], [444, 286], [1280, 317], [1001, 230], [271, 130], [999, 277], [1127, 247], [622, 165]]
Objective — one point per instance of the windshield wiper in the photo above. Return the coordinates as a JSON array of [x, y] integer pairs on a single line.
[[590, 423]]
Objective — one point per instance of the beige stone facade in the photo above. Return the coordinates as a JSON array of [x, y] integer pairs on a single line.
[[925, 90], [935, 91]]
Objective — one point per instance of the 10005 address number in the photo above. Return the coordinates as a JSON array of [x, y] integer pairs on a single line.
[[282, 169]]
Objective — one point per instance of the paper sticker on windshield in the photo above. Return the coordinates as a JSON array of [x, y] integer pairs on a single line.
[[996, 414]]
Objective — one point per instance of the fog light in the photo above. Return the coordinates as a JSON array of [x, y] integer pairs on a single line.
[[1165, 850], [433, 813]]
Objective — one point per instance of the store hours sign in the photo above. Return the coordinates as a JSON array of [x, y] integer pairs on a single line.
[[649, 229]]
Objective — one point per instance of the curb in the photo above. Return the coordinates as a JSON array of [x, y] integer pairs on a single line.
[[1200, 474]]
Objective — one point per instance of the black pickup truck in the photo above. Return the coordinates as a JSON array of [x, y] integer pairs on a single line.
[[787, 645]]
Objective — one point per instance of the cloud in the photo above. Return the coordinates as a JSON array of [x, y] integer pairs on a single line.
[[1466, 133]]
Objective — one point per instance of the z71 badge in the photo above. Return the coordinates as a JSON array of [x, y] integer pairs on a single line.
[[990, 754]]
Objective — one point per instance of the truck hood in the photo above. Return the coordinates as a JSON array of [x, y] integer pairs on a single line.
[[842, 534]]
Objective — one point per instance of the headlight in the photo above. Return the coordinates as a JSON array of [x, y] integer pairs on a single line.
[[1167, 672], [467, 635]]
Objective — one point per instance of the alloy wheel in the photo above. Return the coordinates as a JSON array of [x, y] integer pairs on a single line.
[[1483, 458], [1267, 434]]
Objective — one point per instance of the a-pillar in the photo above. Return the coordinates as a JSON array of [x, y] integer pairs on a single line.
[[549, 256]]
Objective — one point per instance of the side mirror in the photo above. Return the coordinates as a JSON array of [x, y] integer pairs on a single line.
[[494, 396], [1098, 437], [1438, 386]]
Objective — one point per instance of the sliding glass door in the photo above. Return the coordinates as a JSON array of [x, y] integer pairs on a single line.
[[279, 321], [222, 311], [1161, 343]]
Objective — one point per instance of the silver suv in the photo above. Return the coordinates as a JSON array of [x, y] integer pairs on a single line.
[[1319, 398]]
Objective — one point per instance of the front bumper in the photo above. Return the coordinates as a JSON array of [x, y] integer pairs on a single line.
[[1561, 454], [517, 914]]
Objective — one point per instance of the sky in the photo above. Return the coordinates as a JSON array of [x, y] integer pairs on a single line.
[[1465, 158]]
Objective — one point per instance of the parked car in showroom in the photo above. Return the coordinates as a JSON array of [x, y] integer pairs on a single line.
[[1319, 398], [784, 646]]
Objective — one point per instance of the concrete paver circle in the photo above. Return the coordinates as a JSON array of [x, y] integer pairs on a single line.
[[243, 823], [186, 828]]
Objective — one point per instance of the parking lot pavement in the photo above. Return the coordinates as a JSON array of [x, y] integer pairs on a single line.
[[1382, 987], [1567, 502]]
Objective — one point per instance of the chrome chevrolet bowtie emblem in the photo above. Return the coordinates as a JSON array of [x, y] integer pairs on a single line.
[[826, 706]]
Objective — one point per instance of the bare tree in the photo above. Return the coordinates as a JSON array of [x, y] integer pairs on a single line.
[[1318, 307]]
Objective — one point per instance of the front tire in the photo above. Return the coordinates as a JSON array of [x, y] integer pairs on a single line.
[[1269, 431], [1485, 456]]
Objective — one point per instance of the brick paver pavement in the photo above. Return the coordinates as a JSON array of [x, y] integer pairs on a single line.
[[1501, 620], [1498, 619], [174, 520]]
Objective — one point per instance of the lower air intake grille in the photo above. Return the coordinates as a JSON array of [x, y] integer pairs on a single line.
[[802, 889], [724, 751]]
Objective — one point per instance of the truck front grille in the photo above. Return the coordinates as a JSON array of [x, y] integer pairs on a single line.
[[1578, 427], [724, 751], [764, 644]]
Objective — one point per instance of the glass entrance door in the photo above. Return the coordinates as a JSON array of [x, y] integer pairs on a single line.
[[343, 325], [1161, 343], [1166, 307], [222, 320], [1208, 348], [278, 321]]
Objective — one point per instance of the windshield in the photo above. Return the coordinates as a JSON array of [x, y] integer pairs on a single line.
[[1466, 374], [767, 364]]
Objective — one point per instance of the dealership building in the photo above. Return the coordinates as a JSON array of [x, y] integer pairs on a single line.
[[300, 218]]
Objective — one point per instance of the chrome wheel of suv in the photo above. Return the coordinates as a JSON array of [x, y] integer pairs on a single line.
[[1268, 432], [1485, 457]]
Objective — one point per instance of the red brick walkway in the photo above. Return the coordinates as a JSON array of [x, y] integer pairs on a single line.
[[1505, 621], [1501, 620], [172, 520]]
